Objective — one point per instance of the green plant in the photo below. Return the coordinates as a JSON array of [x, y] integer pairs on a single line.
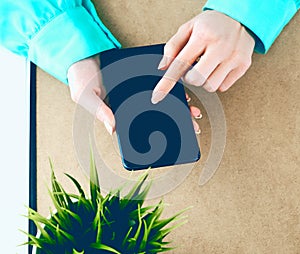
[[101, 224]]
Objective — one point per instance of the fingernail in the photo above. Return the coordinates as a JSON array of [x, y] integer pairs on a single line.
[[163, 63], [188, 99], [157, 96], [108, 127], [199, 117], [196, 128], [198, 132]]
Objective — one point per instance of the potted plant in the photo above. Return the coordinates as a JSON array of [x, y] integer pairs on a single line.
[[101, 224]]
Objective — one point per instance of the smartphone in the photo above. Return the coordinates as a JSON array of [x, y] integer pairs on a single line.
[[149, 135]]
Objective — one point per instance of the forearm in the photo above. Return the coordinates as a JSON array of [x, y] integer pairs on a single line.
[[53, 34]]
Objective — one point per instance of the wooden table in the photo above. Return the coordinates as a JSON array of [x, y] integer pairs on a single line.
[[252, 204]]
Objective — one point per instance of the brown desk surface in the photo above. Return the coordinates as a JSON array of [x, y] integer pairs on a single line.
[[252, 204]]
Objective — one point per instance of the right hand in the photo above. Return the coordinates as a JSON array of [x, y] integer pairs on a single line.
[[85, 82], [224, 49]]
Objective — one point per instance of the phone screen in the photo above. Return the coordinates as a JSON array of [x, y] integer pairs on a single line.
[[149, 135]]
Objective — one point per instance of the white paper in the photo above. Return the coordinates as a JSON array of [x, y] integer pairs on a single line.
[[14, 149]]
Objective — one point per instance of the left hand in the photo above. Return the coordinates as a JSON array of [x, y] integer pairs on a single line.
[[225, 49], [86, 88]]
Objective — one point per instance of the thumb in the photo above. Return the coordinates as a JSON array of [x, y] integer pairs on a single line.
[[97, 107], [105, 115]]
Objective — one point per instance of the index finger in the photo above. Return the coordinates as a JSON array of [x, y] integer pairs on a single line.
[[179, 66]]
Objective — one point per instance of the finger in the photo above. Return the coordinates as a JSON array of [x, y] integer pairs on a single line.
[[105, 115], [92, 103], [202, 70], [217, 77], [241, 62], [195, 112], [231, 78], [196, 127], [187, 97], [175, 45], [176, 70]]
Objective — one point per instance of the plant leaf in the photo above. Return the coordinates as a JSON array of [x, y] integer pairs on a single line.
[[162, 223], [73, 215], [101, 246], [145, 236], [34, 240], [56, 188], [137, 233], [136, 188], [77, 252], [44, 233], [126, 237], [97, 223], [162, 249], [77, 184], [37, 218], [94, 180]]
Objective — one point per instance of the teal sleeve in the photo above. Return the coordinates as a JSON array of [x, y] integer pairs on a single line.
[[53, 34], [264, 18]]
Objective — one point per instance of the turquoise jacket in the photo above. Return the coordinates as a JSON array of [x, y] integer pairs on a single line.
[[54, 34]]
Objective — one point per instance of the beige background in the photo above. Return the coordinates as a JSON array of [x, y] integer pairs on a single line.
[[252, 204]]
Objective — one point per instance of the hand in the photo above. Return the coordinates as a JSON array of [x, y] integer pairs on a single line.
[[225, 49], [85, 82]]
